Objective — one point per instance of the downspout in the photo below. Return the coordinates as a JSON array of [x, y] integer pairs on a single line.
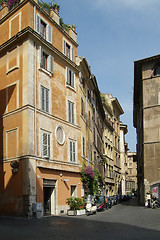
[[35, 83], [35, 101], [87, 127]]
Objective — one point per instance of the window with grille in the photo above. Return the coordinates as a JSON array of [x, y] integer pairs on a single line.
[[44, 99], [45, 145]]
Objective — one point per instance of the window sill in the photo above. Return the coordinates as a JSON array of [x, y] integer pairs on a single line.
[[12, 69], [45, 157], [70, 87], [45, 71]]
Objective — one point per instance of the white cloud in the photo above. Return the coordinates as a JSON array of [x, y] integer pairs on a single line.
[[134, 4]]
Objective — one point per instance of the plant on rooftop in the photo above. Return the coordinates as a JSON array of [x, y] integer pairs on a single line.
[[74, 27], [45, 6], [12, 3], [48, 6], [55, 6], [67, 27], [105, 102]]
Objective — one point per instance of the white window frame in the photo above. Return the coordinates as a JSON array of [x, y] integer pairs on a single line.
[[71, 49], [48, 28], [71, 112], [72, 151], [46, 148], [70, 78], [50, 61], [45, 99]]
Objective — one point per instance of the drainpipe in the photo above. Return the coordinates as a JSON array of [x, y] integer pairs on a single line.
[[35, 101], [87, 127]]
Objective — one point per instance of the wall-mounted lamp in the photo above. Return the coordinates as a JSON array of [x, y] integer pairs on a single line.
[[14, 165], [60, 174]]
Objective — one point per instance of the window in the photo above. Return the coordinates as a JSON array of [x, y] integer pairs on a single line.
[[72, 151], [44, 29], [68, 50], [70, 77], [156, 71], [89, 119], [83, 146], [82, 107], [46, 145], [44, 99], [82, 81], [60, 135], [71, 112], [89, 95], [73, 191], [46, 61]]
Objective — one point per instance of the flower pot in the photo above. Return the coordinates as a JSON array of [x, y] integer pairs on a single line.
[[81, 212], [4, 4], [71, 212]]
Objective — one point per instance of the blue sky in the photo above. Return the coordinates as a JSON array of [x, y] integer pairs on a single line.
[[112, 34]]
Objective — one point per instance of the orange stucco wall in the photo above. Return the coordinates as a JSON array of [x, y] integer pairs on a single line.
[[64, 188], [11, 200]]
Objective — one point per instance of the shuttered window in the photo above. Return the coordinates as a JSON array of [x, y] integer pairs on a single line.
[[68, 50], [72, 151], [71, 112], [70, 78], [44, 99], [46, 61], [46, 145], [43, 28]]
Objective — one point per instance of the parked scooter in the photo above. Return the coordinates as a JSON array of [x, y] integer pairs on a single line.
[[155, 203], [100, 207], [90, 206]]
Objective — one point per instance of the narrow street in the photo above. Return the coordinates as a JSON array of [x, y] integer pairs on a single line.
[[123, 221]]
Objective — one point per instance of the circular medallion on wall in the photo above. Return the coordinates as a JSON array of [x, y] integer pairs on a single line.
[[60, 135]]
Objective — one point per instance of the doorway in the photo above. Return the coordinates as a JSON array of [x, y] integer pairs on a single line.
[[49, 202], [47, 192]]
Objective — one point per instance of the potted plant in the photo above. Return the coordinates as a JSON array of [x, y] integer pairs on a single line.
[[74, 27], [76, 206], [12, 3], [55, 7], [3, 3]]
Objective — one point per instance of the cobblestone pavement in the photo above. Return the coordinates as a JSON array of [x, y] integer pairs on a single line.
[[125, 221]]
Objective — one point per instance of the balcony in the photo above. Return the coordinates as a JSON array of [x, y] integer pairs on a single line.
[[109, 123]]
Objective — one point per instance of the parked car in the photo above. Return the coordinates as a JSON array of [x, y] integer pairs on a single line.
[[119, 196], [113, 201], [109, 202]]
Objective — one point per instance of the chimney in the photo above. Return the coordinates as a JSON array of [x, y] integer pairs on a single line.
[[54, 15]]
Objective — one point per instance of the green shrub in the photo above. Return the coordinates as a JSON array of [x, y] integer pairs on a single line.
[[75, 203]]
